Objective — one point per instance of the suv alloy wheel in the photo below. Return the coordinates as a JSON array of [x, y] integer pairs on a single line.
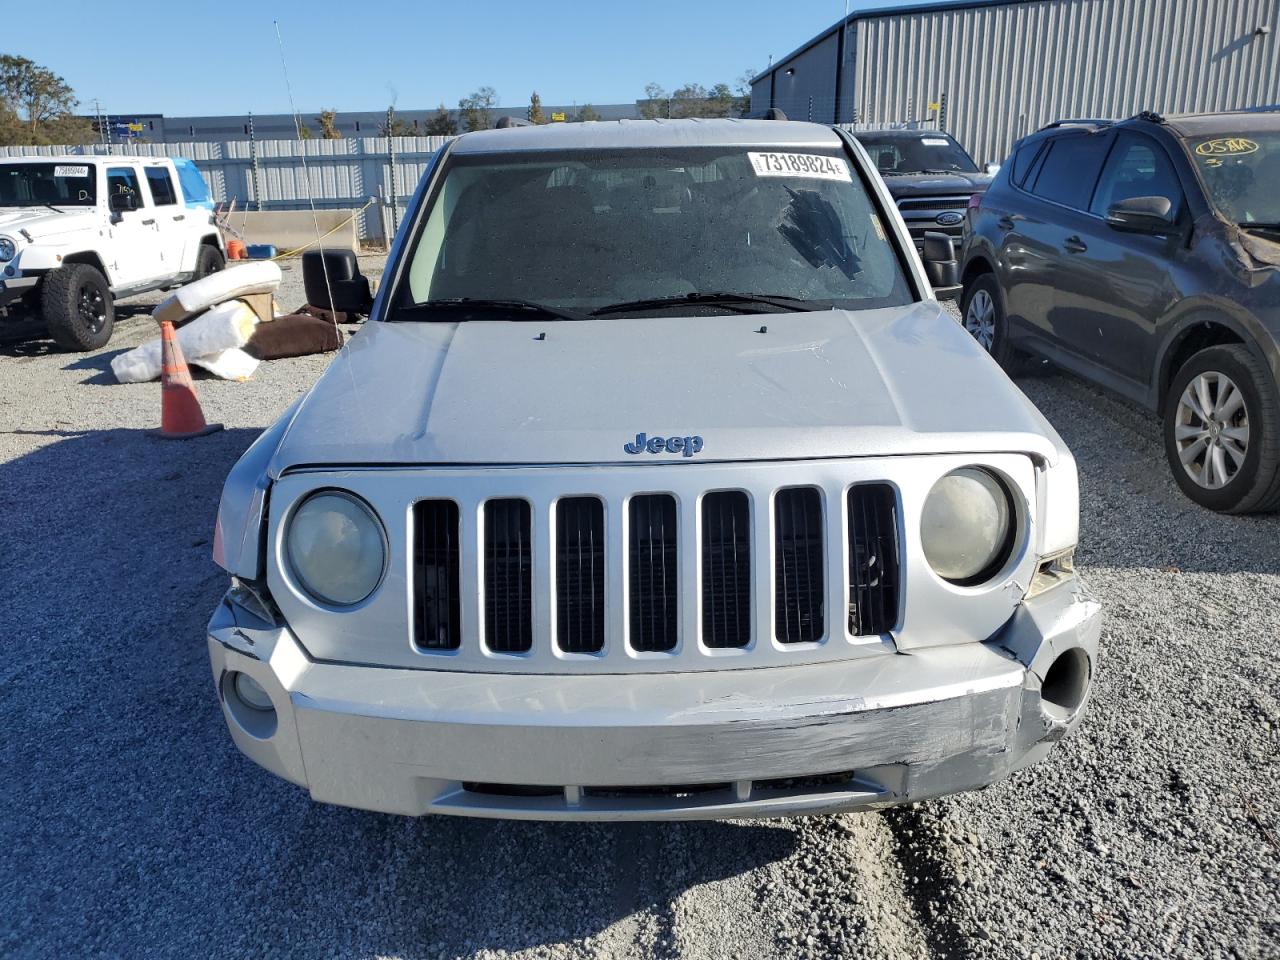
[[982, 314], [1222, 431], [77, 307]]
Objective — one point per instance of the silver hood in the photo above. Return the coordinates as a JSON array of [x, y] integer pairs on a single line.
[[759, 387]]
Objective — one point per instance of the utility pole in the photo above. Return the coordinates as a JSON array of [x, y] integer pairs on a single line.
[[391, 156], [253, 159]]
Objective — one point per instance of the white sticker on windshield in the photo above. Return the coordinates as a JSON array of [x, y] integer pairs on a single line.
[[935, 141], [812, 165], [67, 171]]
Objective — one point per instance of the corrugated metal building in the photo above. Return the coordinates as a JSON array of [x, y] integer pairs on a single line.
[[991, 71]]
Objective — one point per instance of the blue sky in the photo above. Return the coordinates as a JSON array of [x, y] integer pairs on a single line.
[[181, 58]]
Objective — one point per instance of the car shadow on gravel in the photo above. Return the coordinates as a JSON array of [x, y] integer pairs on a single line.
[[133, 827]]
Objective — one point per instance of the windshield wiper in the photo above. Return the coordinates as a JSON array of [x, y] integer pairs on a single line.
[[481, 303], [729, 300], [52, 207], [1260, 226]]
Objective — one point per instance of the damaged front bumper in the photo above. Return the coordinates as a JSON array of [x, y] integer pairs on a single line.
[[13, 289], [818, 738]]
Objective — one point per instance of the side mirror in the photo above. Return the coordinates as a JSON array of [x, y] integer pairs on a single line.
[[122, 202], [1152, 215], [333, 281], [941, 266], [991, 169]]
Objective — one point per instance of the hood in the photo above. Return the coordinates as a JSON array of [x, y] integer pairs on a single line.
[[824, 384], [41, 222], [933, 184]]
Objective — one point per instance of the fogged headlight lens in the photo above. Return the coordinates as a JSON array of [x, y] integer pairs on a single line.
[[8, 249], [336, 548], [967, 526]]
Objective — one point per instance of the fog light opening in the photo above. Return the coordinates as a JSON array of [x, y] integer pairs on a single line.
[[249, 704], [1066, 684]]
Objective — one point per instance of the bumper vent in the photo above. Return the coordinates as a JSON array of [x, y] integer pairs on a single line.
[[799, 583], [580, 584], [654, 582], [436, 615], [873, 559], [726, 569], [508, 576]]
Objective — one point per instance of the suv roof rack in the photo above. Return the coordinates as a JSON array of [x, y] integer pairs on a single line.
[[1077, 123]]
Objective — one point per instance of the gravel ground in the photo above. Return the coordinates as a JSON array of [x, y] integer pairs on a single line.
[[130, 825]]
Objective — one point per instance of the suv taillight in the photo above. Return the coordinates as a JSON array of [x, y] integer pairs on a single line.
[[975, 201]]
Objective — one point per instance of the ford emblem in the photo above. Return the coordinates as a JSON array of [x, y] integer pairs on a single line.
[[949, 218]]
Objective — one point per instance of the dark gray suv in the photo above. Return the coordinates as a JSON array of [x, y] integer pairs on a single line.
[[1144, 255]]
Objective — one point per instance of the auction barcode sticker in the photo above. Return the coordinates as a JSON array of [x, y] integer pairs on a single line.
[[811, 165], [68, 171]]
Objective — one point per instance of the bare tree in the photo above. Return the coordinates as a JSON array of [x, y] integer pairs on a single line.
[[475, 108]]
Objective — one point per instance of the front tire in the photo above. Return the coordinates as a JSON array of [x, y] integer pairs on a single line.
[[982, 315], [1222, 431], [209, 260], [77, 307]]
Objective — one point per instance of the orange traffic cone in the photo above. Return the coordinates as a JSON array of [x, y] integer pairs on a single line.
[[180, 414]]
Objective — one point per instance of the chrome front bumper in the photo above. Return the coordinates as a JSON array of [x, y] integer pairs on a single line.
[[872, 731]]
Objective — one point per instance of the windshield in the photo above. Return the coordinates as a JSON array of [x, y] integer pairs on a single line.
[[936, 153], [1241, 172], [590, 231], [47, 184]]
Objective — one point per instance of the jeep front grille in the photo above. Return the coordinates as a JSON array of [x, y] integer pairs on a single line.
[[508, 576], [803, 547], [873, 559], [799, 584], [580, 569], [726, 569], [437, 622], [655, 589]]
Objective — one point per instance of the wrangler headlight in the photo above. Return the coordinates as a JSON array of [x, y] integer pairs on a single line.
[[967, 527], [336, 547], [8, 249]]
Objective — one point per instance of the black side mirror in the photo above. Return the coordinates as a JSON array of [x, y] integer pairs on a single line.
[[333, 281], [1152, 215], [941, 265], [122, 202]]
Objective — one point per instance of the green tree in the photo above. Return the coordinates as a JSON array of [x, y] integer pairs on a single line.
[[398, 128], [36, 105], [586, 113], [535, 109], [655, 103], [475, 108], [328, 121], [442, 124]]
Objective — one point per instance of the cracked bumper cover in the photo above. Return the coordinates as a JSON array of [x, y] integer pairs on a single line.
[[909, 726]]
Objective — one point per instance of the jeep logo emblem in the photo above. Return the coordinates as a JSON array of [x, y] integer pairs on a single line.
[[686, 445], [948, 218]]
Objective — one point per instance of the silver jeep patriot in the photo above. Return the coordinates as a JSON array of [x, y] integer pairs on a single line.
[[652, 489]]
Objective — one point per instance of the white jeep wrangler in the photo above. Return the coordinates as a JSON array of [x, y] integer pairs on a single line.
[[78, 233]]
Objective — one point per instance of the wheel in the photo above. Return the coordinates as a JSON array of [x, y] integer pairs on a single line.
[[209, 260], [77, 307], [1222, 431], [982, 314]]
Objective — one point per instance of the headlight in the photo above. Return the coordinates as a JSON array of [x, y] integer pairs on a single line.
[[967, 526], [8, 249], [336, 547]]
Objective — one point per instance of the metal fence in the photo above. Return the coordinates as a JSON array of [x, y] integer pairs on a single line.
[[290, 174]]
